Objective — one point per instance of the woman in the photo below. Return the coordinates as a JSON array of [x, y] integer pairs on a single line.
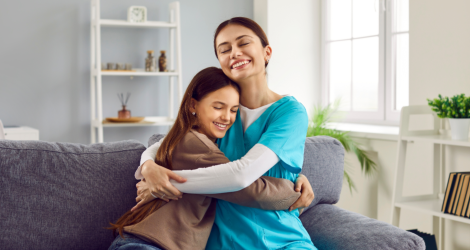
[[186, 223], [267, 139]]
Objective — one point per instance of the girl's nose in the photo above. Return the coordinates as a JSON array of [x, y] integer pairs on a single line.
[[226, 115]]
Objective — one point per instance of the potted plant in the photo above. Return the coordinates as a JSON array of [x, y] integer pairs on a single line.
[[457, 110], [318, 126]]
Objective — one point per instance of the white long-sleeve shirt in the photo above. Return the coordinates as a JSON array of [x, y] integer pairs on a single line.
[[228, 177]]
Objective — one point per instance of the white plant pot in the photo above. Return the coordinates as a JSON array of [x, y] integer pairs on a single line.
[[459, 128]]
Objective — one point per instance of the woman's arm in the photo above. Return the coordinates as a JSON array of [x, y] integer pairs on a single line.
[[222, 178], [228, 177], [149, 154]]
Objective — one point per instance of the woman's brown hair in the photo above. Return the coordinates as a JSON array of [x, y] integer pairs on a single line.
[[205, 82], [247, 23]]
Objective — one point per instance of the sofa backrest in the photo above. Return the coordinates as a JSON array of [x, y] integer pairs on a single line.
[[63, 195], [323, 166]]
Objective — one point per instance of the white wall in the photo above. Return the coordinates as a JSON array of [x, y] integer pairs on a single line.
[[293, 30], [439, 49]]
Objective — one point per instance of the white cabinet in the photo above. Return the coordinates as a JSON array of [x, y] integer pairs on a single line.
[[21, 133], [430, 204]]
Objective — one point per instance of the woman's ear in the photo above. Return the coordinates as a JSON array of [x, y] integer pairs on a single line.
[[268, 51], [193, 105]]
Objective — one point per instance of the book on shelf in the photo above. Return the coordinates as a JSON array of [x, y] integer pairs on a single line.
[[463, 193], [454, 192], [466, 204], [457, 194], [449, 190]]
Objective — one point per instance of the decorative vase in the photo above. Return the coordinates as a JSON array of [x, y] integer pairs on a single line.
[[124, 113], [150, 63], [162, 61], [459, 128]]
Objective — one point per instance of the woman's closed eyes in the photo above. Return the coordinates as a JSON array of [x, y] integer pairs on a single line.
[[225, 51]]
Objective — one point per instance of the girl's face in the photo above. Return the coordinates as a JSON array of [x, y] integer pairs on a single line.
[[240, 53], [216, 112]]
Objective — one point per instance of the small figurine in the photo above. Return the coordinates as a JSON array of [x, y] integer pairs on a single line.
[[150, 63], [162, 62], [124, 113]]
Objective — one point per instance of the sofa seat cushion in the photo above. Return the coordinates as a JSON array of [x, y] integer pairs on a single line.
[[331, 227]]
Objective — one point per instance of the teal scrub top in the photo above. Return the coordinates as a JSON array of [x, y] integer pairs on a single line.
[[282, 128]]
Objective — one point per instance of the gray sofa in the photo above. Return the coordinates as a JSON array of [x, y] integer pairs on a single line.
[[63, 195]]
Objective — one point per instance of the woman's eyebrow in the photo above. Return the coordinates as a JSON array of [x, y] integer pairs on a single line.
[[238, 38]]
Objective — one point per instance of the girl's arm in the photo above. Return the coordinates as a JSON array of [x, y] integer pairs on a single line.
[[223, 178], [228, 177]]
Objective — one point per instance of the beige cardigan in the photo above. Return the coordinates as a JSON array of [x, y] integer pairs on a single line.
[[187, 222]]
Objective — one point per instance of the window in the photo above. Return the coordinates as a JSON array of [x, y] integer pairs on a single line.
[[365, 58]]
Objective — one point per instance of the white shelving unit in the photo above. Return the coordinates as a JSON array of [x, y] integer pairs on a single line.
[[427, 204], [173, 62]]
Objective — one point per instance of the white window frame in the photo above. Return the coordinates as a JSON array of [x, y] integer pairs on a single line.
[[385, 114]]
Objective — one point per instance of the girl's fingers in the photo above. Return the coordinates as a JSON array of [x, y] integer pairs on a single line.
[[296, 204], [136, 206], [298, 186], [176, 177]]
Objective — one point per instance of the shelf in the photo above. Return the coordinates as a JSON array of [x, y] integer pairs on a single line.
[[438, 139], [431, 207], [137, 72], [125, 23], [147, 122]]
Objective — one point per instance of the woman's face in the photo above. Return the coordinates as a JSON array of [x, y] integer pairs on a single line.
[[216, 112], [240, 53]]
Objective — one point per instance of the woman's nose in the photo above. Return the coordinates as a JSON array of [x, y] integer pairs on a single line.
[[236, 52]]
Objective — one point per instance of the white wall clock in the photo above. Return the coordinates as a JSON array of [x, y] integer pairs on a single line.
[[137, 14]]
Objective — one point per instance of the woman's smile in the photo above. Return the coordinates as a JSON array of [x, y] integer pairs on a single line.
[[240, 64]]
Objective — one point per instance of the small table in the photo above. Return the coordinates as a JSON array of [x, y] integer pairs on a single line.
[[21, 133]]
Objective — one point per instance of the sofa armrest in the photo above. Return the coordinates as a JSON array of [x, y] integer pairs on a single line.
[[331, 227]]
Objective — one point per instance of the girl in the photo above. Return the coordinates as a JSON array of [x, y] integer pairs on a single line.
[[207, 111], [267, 138]]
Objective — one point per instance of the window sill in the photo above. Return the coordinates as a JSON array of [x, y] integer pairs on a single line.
[[367, 131]]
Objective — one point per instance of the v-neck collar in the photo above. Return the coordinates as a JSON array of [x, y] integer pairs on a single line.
[[267, 112]]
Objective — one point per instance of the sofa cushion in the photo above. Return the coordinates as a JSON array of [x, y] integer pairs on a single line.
[[323, 166], [63, 195], [331, 227]]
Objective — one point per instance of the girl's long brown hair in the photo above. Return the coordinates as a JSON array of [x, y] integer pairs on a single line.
[[206, 81]]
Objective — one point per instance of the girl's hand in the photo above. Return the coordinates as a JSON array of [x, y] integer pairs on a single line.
[[158, 181], [303, 185], [143, 194]]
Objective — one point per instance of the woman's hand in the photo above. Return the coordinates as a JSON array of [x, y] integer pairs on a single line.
[[158, 181], [143, 194], [303, 185]]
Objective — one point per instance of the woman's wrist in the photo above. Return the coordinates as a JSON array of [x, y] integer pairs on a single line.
[[144, 168]]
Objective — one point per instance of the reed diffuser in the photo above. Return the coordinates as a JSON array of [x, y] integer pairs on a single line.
[[124, 113]]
